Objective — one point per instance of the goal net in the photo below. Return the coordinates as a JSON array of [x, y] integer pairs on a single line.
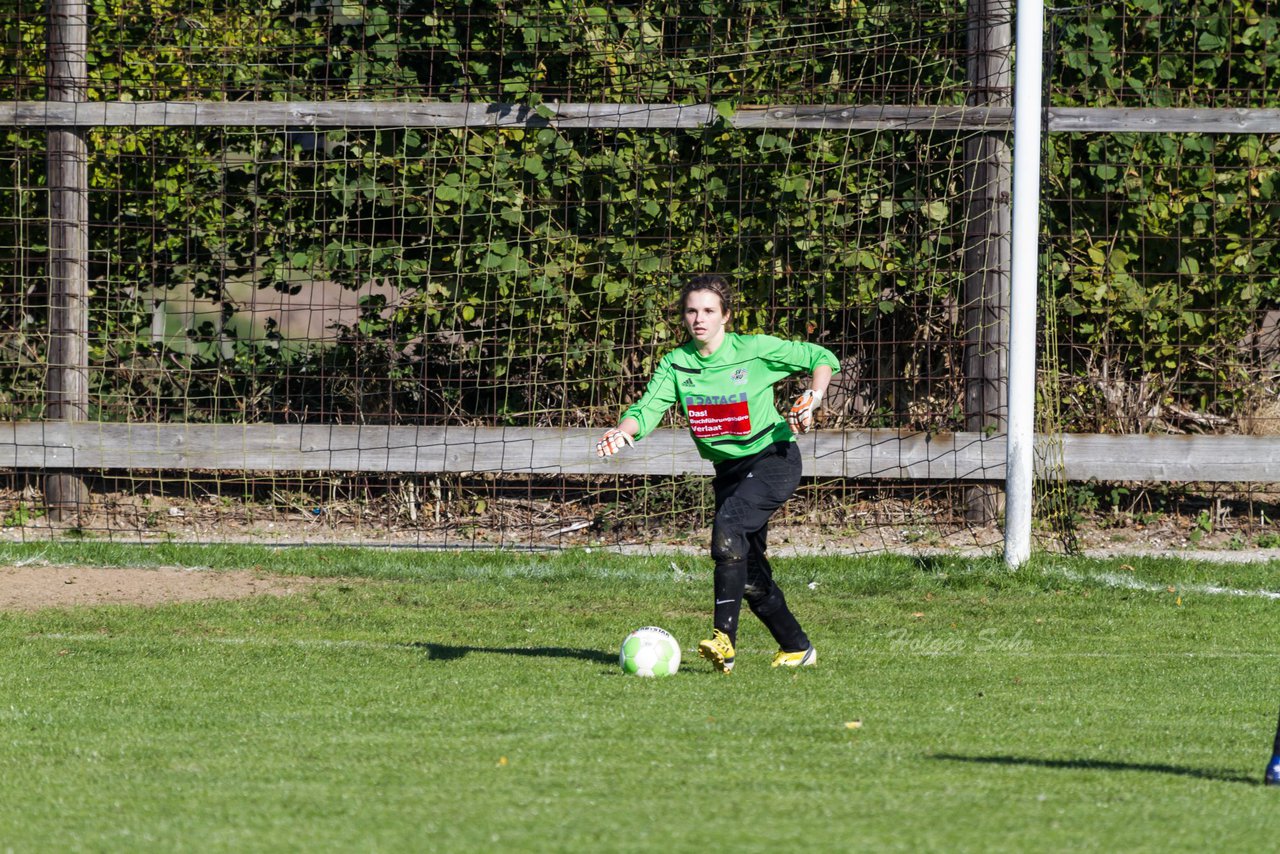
[[368, 319], [1160, 280]]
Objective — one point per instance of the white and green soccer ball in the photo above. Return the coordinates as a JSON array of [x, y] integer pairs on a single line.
[[650, 651]]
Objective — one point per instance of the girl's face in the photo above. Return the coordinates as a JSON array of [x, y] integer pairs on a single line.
[[705, 317]]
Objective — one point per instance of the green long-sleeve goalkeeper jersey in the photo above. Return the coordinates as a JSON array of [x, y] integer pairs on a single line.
[[728, 396]]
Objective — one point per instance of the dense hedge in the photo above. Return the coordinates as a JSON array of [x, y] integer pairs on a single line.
[[524, 275], [1162, 248]]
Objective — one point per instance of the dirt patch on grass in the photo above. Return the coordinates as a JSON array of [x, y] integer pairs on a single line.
[[30, 588]]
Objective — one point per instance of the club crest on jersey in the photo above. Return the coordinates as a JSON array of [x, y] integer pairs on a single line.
[[739, 377]]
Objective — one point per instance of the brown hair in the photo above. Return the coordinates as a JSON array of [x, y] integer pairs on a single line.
[[708, 282]]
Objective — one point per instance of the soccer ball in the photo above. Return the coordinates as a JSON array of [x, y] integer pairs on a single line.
[[650, 651]]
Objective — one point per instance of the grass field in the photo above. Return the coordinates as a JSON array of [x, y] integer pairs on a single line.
[[472, 702]]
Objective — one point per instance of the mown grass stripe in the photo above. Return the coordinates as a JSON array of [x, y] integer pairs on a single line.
[[861, 650]]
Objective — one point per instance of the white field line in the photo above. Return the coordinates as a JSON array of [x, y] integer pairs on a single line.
[[1125, 582]]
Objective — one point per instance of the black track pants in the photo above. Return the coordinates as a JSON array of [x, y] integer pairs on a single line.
[[747, 493]]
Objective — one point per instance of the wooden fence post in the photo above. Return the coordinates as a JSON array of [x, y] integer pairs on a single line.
[[987, 240], [66, 383]]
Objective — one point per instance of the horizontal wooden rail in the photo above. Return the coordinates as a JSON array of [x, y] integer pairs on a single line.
[[321, 115], [887, 454], [403, 114], [1162, 120]]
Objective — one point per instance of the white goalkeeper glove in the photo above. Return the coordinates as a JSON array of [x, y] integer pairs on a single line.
[[614, 440], [800, 418]]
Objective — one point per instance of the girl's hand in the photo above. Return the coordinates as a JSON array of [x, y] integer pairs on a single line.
[[614, 440], [800, 418]]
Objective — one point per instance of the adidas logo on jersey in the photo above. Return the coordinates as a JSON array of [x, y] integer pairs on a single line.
[[688, 383]]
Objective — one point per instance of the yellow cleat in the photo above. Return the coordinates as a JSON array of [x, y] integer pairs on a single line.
[[719, 651], [803, 658]]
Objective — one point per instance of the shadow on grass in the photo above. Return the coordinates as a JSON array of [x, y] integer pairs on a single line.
[[1103, 765], [445, 652]]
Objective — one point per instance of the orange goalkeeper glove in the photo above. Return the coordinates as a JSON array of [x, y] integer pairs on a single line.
[[614, 440], [800, 418]]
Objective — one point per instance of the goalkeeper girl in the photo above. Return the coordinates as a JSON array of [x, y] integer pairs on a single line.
[[724, 383]]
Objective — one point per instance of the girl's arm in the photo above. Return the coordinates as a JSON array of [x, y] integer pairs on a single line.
[[640, 418], [630, 426], [821, 379]]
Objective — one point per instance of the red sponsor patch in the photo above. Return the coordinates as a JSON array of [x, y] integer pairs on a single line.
[[708, 420]]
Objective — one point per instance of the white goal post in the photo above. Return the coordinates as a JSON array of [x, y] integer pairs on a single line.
[[1027, 117]]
